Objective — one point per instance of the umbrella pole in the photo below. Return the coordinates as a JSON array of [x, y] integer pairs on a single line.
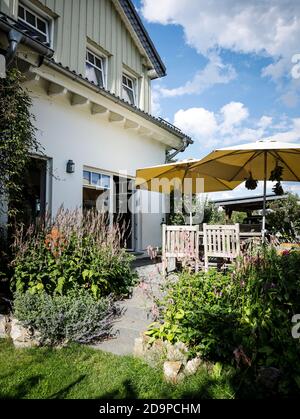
[[265, 198]]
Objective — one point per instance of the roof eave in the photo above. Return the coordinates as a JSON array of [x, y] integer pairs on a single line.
[[141, 32]]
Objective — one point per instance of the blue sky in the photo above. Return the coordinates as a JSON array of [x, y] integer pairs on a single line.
[[230, 76]]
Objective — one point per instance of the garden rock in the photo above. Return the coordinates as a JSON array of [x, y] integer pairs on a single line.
[[139, 348], [3, 326], [177, 352], [22, 337], [155, 354], [172, 371], [192, 366]]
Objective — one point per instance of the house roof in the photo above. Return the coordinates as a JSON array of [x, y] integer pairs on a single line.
[[247, 203], [143, 36]]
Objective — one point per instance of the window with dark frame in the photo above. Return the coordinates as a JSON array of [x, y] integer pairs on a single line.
[[95, 184], [128, 89], [94, 69], [36, 23], [96, 179]]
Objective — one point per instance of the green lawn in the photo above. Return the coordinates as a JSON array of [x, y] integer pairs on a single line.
[[81, 372]]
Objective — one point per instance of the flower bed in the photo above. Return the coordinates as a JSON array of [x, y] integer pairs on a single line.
[[67, 275], [241, 318]]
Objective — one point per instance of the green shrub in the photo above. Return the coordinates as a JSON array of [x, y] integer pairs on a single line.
[[73, 250], [76, 317], [267, 298], [197, 311], [284, 218], [243, 317]]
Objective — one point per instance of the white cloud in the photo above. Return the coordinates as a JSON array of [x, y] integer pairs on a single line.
[[233, 114], [291, 135], [265, 122], [155, 101], [290, 98], [215, 72], [232, 125], [222, 127], [242, 192], [264, 27], [198, 122]]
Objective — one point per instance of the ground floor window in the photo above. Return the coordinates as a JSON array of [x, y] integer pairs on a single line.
[[111, 194], [96, 191]]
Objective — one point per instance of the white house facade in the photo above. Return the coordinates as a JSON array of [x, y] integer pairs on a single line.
[[88, 66]]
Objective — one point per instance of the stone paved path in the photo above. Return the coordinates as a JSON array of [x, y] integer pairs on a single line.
[[137, 312]]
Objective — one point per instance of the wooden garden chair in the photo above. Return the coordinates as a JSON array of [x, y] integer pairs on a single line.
[[180, 243], [220, 241]]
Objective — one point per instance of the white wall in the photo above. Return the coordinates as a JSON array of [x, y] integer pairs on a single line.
[[69, 132]]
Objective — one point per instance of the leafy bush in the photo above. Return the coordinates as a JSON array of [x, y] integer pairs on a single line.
[[17, 137], [284, 217], [243, 317], [76, 317], [73, 250], [267, 298], [197, 311]]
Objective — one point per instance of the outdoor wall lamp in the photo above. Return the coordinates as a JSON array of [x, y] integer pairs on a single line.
[[70, 166]]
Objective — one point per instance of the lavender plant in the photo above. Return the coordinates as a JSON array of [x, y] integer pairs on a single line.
[[74, 317]]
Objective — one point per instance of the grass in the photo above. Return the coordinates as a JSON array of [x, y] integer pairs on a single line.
[[79, 372]]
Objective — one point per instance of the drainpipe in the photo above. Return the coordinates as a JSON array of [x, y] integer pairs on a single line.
[[14, 38], [185, 145]]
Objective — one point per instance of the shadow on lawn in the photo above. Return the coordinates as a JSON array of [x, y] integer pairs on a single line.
[[21, 390], [204, 390], [126, 391], [63, 393]]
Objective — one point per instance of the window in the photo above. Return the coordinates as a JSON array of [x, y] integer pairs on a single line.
[[96, 191], [128, 89], [35, 22], [94, 69], [95, 179]]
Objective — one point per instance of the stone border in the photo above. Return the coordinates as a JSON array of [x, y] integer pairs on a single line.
[[174, 359], [21, 336]]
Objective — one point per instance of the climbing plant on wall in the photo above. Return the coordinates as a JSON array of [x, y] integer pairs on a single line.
[[17, 136]]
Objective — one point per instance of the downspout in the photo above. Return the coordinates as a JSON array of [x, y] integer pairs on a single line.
[[185, 145], [14, 38]]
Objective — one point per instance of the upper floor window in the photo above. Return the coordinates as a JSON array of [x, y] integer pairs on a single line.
[[94, 68], [34, 22], [129, 89]]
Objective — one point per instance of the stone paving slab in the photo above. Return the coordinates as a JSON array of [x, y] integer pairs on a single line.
[[136, 312]]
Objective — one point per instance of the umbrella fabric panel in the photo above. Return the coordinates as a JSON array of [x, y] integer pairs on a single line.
[[241, 162], [166, 178]]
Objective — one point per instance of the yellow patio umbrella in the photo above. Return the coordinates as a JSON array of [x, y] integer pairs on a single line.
[[261, 160], [167, 177], [185, 176]]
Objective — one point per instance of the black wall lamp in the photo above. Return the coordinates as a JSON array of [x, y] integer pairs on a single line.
[[70, 166]]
